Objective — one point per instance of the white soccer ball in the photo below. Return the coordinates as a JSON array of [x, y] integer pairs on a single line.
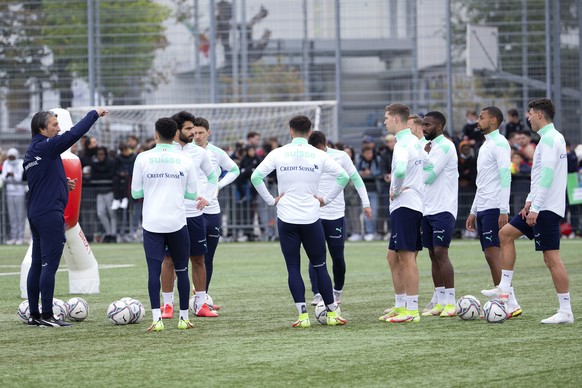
[[192, 304], [494, 311], [78, 309], [209, 301], [23, 311], [119, 313], [321, 312], [137, 311], [468, 308], [60, 309]]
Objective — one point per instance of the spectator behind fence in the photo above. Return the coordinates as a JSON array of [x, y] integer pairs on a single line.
[[353, 205], [525, 146], [246, 196], [90, 145], [369, 169], [471, 132], [102, 169], [467, 166], [15, 196], [513, 124], [386, 152], [123, 168], [573, 210]]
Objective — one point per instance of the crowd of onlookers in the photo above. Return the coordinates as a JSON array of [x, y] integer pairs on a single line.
[[117, 216]]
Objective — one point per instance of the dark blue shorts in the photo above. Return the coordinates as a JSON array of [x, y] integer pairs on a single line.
[[405, 225], [334, 231], [545, 233], [437, 230], [213, 224], [158, 245], [488, 228], [197, 233]]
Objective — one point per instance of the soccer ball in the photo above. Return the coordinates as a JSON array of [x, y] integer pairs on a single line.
[[192, 304], [321, 312], [494, 311], [60, 309], [137, 311], [23, 311], [119, 313], [209, 301], [78, 309], [468, 308]]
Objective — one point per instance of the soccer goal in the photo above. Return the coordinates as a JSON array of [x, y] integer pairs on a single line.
[[229, 123]]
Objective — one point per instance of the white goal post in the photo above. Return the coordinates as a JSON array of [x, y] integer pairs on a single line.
[[229, 123]]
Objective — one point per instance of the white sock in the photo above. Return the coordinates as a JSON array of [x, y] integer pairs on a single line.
[[434, 299], [332, 307], [400, 300], [156, 314], [512, 303], [200, 298], [441, 295], [168, 297], [506, 277], [336, 292], [564, 300], [301, 307], [184, 314], [450, 296], [412, 302]]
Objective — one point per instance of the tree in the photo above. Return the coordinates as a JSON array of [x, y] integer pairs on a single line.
[[128, 35]]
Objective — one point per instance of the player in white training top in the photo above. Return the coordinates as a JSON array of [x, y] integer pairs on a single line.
[[544, 209], [406, 206], [332, 216], [299, 169], [163, 177], [220, 162], [441, 192], [490, 208], [195, 220]]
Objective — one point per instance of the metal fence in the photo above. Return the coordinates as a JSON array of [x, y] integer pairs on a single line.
[[246, 217], [449, 55]]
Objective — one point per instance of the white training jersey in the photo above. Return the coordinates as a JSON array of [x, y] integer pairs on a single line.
[[219, 161], [336, 208], [203, 166], [549, 173], [407, 173], [163, 177], [299, 167], [493, 175], [441, 178]]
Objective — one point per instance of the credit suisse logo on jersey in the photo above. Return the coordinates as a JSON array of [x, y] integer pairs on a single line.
[[165, 175], [299, 168]]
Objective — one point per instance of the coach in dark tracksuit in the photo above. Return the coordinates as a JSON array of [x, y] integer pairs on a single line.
[[47, 199]]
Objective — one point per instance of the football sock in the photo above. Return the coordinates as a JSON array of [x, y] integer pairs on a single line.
[[400, 300], [301, 307], [168, 298], [412, 302], [200, 299], [450, 296], [332, 307], [441, 295], [184, 314], [564, 300], [512, 303], [156, 314], [506, 277]]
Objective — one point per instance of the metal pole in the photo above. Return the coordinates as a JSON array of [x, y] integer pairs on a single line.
[[91, 51], [524, 59], [305, 56], [449, 72], [244, 53], [98, 71], [338, 64], [195, 23], [557, 64], [579, 14], [212, 52], [411, 5], [234, 53], [548, 51]]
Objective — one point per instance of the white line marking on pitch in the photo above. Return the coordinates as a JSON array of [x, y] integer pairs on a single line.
[[101, 266]]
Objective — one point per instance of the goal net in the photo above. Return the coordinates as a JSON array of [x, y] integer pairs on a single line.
[[229, 123]]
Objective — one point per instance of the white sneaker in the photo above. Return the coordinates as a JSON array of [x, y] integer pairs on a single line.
[[428, 307], [496, 293], [10, 242], [19, 242], [337, 296], [369, 237], [355, 237], [124, 203], [559, 317], [115, 204], [316, 299]]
